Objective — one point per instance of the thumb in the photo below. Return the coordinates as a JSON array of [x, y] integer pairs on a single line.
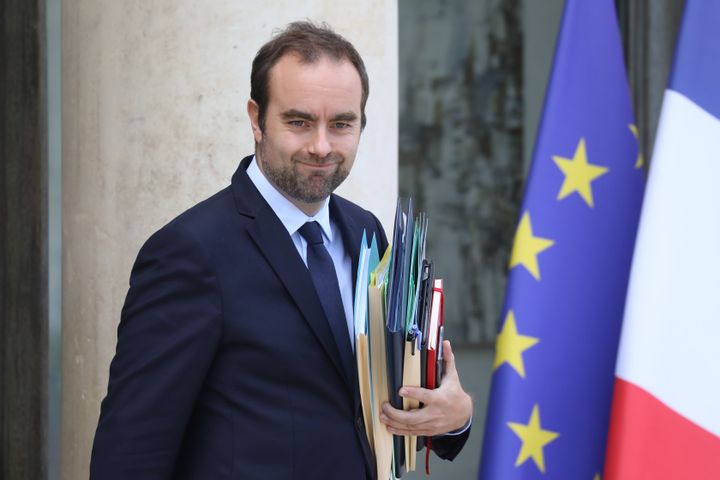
[[448, 360]]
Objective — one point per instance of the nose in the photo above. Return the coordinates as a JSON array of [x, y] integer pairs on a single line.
[[319, 143]]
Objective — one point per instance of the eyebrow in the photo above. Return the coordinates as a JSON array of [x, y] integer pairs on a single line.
[[292, 113], [348, 116]]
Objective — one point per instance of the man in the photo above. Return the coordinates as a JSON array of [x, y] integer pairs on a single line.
[[234, 359]]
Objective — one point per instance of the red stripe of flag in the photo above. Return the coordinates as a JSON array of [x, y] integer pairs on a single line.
[[648, 439]]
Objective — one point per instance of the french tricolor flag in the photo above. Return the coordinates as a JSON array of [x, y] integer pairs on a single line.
[[665, 421]]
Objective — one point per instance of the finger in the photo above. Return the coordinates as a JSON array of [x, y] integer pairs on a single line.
[[448, 355], [405, 431], [428, 425], [396, 424], [448, 360], [406, 424], [423, 395], [401, 418], [396, 415]]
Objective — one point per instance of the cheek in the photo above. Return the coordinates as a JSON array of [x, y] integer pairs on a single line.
[[288, 144], [347, 146], [279, 147], [350, 153]]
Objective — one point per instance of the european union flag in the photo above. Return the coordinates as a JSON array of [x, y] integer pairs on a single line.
[[555, 353]]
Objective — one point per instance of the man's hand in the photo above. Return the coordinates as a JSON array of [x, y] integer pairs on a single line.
[[444, 410]]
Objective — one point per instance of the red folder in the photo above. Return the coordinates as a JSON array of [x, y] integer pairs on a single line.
[[436, 321], [434, 349]]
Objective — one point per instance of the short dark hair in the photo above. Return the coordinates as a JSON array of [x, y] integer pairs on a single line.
[[309, 42]]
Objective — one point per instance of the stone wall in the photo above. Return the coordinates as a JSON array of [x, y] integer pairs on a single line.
[[154, 120]]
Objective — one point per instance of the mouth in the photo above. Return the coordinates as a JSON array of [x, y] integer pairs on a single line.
[[320, 166]]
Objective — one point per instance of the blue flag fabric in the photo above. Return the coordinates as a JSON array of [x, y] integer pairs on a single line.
[[555, 353]]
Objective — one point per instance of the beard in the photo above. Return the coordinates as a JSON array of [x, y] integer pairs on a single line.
[[310, 187]]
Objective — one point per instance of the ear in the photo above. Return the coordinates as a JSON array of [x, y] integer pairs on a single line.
[[253, 110]]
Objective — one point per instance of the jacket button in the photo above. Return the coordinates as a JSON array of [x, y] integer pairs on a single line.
[[359, 423]]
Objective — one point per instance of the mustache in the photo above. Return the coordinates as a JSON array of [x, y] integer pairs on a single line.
[[330, 158]]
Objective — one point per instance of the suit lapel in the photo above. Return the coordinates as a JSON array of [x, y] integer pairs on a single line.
[[351, 235], [276, 246]]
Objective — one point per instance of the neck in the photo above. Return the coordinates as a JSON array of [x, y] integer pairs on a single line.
[[309, 209]]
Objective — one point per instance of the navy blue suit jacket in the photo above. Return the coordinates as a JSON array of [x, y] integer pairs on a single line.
[[226, 367]]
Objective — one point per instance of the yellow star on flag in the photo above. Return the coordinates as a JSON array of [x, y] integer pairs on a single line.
[[640, 161], [511, 345], [596, 477], [534, 438], [526, 247], [578, 174]]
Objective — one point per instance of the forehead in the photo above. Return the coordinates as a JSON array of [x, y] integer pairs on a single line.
[[325, 81]]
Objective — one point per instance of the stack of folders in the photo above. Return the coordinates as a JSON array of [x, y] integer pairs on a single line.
[[398, 314]]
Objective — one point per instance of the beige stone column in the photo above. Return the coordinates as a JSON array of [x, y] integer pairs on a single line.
[[154, 96]]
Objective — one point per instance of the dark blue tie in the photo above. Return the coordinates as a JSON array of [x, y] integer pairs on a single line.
[[322, 271]]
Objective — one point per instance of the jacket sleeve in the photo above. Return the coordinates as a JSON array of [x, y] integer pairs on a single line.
[[169, 331], [448, 446]]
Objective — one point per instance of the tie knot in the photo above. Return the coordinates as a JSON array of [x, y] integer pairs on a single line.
[[312, 233]]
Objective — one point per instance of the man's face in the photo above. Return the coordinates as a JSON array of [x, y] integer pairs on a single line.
[[312, 128]]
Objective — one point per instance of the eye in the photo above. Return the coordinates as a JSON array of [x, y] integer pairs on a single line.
[[341, 125], [297, 123]]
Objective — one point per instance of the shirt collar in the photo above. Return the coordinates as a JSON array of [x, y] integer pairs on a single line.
[[290, 216]]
